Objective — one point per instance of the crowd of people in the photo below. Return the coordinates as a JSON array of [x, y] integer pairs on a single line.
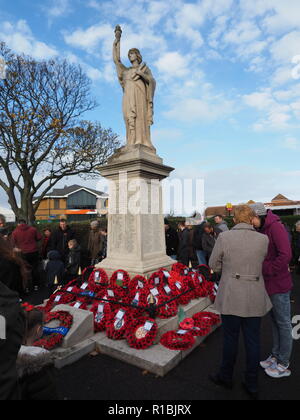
[[53, 256], [192, 245], [251, 261]]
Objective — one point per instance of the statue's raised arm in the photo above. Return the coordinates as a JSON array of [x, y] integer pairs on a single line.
[[117, 53], [139, 87]]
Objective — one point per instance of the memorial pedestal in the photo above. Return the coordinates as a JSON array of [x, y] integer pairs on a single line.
[[136, 236]]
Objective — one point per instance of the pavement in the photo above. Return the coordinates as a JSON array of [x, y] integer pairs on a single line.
[[103, 378]]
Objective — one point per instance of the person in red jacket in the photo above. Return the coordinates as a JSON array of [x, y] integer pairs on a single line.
[[25, 239], [279, 285]]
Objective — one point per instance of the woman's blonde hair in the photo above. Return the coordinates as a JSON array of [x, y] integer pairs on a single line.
[[243, 214]]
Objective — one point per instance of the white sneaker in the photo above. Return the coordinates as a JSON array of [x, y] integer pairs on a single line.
[[269, 363], [278, 372]]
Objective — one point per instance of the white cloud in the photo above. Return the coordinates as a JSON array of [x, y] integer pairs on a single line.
[[57, 8], [277, 115], [173, 64], [286, 16], [89, 39], [19, 38], [287, 47], [291, 143], [243, 32]]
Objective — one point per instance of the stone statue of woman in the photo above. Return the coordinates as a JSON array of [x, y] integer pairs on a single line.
[[139, 87]]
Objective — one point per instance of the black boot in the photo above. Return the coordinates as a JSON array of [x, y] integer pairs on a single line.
[[220, 382]]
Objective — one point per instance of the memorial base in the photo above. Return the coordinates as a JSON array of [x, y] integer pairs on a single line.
[[157, 359], [136, 235]]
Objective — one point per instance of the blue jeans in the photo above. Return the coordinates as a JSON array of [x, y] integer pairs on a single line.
[[251, 327], [282, 328], [202, 257]]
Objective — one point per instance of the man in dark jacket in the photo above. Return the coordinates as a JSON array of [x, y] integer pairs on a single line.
[[12, 329], [197, 244], [61, 237], [279, 285], [172, 240], [209, 238], [184, 244]]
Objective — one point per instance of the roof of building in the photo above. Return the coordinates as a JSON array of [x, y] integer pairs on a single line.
[[68, 190], [280, 197]]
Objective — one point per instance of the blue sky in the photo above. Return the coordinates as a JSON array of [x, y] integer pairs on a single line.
[[227, 106]]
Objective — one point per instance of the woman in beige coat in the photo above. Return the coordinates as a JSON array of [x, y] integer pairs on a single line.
[[242, 299]]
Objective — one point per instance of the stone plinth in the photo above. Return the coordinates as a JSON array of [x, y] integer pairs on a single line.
[[136, 236], [82, 328]]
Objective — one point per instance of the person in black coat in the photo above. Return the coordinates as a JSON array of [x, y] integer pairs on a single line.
[[60, 239], [172, 240], [197, 244], [184, 244], [12, 321]]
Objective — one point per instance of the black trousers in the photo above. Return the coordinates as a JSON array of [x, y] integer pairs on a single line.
[[251, 329], [33, 260]]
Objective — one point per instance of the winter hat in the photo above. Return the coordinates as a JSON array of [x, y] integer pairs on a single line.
[[94, 224], [259, 209]]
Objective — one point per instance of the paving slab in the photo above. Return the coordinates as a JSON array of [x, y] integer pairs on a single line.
[[65, 357], [157, 359]]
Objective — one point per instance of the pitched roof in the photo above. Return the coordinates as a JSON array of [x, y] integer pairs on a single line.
[[66, 191], [280, 197], [62, 192]]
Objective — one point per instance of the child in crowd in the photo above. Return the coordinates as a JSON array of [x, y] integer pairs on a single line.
[[54, 268], [35, 365], [73, 260]]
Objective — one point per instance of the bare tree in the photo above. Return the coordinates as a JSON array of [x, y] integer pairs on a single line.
[[42, 137]]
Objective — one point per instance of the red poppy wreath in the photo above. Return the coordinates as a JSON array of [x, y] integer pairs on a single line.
[[178, 340], [117, 324], [204, 321], [61, 297], [156, 280], [98, 280], [102, 312], [180, 268], [141, 333], [55, 336], [120, 278], [169, 309]]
